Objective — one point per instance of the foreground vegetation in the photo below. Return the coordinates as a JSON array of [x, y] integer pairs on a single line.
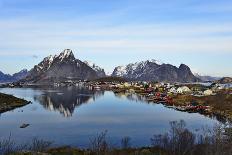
[[178, 141], [9, 102]]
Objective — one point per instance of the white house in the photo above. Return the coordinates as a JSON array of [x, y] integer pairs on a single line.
[[173, 90], [183, 89], [126, 84], [208, 92]]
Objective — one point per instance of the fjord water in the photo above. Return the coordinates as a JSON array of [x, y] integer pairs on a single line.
[[71, 116]]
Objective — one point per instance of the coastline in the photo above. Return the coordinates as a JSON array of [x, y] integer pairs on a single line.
[[10, 102], [218, 105]]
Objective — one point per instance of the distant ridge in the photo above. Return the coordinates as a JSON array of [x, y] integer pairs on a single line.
[[5, 78], [206, 78], [225, 80]]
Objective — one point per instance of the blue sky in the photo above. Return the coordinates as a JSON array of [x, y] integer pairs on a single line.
[[116, 32]]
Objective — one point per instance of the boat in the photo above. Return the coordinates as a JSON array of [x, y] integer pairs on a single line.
[[97, 87], [24, 125]]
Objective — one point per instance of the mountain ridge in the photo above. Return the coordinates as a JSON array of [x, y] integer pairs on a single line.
[[5, 78], [65, 66], [150, 70]]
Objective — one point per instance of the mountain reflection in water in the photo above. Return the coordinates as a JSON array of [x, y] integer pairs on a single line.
[[131, 97], [65, 100]]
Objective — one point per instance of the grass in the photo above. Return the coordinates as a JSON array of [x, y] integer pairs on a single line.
[[9, 102], [221, 103], [128, 151], [110, 79]]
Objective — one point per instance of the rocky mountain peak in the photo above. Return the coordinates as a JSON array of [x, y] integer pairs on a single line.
[[62, 67], [66, 54], [183, 66], [23, 71], [156, 61], [20, 75]]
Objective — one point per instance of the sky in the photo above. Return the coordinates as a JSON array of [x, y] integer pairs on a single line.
[[110, 33]]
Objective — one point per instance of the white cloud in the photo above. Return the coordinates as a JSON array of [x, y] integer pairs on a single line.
[[27, 37]]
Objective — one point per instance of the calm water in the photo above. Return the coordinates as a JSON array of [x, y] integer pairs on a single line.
[[70, 116]]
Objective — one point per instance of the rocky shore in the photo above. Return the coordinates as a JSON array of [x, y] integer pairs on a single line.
[[9, 102]]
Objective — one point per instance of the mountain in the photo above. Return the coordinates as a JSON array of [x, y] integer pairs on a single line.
[[152, 70], [206, 78], [4, 78], [20, 75], [60, 67], [225, 80], [100, 71]]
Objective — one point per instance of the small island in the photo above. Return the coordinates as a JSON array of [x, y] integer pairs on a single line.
[[10, 102]]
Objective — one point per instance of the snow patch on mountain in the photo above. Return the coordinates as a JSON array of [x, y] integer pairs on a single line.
[[120, 71], [66, 54], [131, 68], [49, 60], [158, 62]]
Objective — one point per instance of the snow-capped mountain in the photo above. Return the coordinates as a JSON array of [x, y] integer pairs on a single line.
[[152, 70], [133, 68], [13, 78], [120, 71], [59, 68], [100, 71], [205, 78]]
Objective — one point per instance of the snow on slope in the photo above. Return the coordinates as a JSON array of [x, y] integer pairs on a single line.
[[120, 71]]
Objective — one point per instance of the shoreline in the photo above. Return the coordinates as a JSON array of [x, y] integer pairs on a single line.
[[218, 106], [10, 102]]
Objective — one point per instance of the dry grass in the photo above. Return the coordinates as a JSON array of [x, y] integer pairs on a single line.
[[221, 103]]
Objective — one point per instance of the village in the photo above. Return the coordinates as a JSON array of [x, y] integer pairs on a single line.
[[208, 99]]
